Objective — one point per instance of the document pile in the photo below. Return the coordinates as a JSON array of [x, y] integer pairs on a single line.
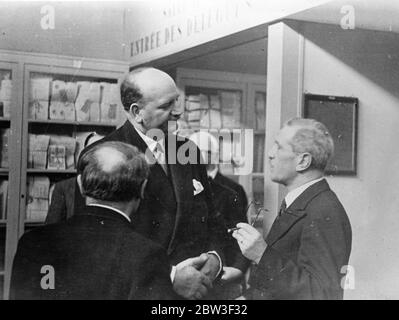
[[37, 151], [110, 102], [39, 98], [61, 152], [63, 96], [38, 194], [82, 101]]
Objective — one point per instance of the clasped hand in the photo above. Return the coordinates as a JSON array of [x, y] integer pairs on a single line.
[[194, 276]]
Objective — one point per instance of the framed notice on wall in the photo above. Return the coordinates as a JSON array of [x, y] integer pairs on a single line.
[[339, 114]]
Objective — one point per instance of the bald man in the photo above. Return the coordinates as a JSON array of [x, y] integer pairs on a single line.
[[96, 254], [177, 211]]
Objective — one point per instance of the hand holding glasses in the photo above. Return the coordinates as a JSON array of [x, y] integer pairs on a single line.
[[231, 230]]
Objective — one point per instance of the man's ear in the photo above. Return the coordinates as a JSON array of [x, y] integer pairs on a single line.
[[134, 111], [142, 189], [79, 180], [304, 162]]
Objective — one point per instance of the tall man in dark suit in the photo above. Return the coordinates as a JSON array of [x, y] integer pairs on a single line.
[[177, 211], [310, 240], [96, 254]]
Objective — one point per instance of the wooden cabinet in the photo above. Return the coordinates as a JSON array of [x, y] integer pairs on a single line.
[[54, 102], [216, 101]]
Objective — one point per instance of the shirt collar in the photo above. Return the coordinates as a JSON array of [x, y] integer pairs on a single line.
[[294, 194], [212, 174], [110, 208], [152, 144]]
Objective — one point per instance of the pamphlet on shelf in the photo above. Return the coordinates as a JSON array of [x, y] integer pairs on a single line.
[[38, 109], [38, 193], [94, 92], [69, 111], [82, 103], [71, 89], [36, 210], [40, 89], [37, 151], [56, 110], [110, 98], [65, 147], [58, 91], [94, 112], [56, 157], [38, 187]]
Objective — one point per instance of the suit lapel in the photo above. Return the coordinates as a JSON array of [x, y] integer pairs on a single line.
[[295, 212], [181, 178], [283, 224]]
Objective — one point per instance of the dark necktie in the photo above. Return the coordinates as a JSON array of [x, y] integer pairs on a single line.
[[283, 207]]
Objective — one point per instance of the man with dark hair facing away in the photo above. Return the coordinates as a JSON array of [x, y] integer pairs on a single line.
[[96, 254]]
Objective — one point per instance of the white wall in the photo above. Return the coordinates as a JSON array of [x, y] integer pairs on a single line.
[[364, 64], [84, 29]]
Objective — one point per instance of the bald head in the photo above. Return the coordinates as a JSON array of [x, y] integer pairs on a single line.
[[110, 159], [144, 84], [113, 171]]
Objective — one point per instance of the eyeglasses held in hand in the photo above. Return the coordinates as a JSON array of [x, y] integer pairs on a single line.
[[246, 212]]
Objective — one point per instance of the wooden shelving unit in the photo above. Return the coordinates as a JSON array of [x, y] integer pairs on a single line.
[[22, 67], [73, 123]]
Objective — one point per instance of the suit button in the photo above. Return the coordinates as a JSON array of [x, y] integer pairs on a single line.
[[203, 219], [155, 224]]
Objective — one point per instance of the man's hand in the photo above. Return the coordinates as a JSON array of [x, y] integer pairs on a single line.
[[189, 282], [251, 242], [231, 274], [211, 266]]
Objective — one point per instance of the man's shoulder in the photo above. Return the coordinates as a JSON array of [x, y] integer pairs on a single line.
[[67, 184], [230, 183], [40, 237], [135, 244], [325, 205], [219, 188]]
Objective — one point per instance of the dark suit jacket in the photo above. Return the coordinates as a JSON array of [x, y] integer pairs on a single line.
[[307, 247], [63, 200], [96, 255], [227, 203], [170, 215], [242, 196]]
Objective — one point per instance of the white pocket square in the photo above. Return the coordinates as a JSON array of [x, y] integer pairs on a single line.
[[197, 187]]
